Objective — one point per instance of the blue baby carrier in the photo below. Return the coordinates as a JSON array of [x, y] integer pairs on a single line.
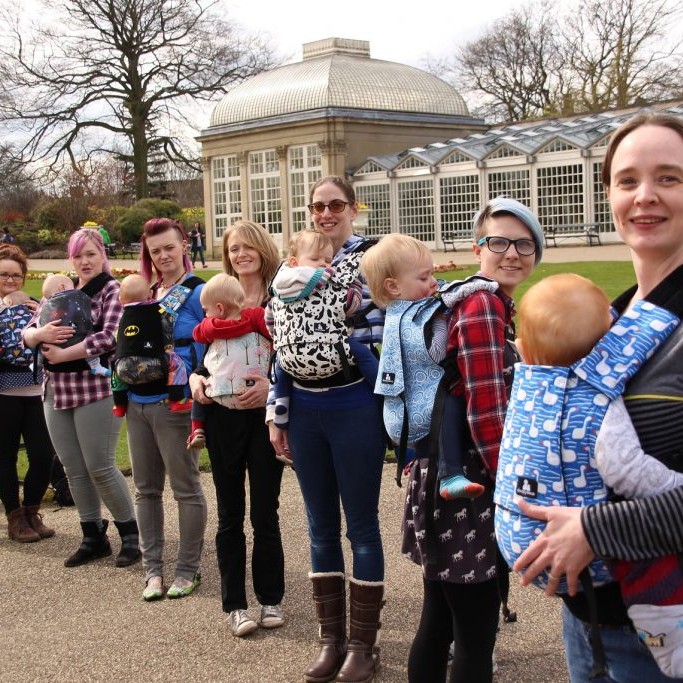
[[412, 383], [552, 422], [13, 353]]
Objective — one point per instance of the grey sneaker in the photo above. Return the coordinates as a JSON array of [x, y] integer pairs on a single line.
[[271, 616], [241, 624]]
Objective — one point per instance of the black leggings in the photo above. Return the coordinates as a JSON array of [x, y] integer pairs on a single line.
[[464, 613], [23, 416]]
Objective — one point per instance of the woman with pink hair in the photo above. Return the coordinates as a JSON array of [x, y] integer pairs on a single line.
[[78, 406], [158, 431]]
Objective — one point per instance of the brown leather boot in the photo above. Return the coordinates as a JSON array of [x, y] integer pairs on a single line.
[[35, 519], [18, 527], [362, 659], [329, 593]]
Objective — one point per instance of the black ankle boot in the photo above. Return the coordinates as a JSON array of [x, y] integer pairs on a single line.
[[94, 545], [130, 550]]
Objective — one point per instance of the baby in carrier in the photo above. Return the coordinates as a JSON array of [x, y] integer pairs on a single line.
[[72, 307], [400, 274], [593, 452], [307, 317], [16, 311], [144, 348], [17, 298], [239, 347]]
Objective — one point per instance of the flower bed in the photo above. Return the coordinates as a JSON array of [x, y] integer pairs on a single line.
[[116, 272]]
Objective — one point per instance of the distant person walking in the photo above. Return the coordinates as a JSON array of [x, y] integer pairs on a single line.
[[6, 237], [197, 243], [106, 239]]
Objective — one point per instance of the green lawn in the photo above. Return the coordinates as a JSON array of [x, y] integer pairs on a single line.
[[613, 276]]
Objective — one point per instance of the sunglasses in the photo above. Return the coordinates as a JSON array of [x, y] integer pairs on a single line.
[[335, 206], [499, 245]]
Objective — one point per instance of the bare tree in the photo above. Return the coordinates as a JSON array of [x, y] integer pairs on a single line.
[[620, 52], [18, 193], [595, 55], [513, 66], [97, 72]]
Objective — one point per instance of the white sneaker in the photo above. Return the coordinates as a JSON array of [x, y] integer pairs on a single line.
[[241, 624], [271, 616]]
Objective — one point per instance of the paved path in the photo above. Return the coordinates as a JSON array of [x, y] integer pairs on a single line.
[[89, 623], [463, 256]]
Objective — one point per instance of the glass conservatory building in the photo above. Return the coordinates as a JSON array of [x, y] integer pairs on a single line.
[[553, 166], [340, 112], [274, 135]]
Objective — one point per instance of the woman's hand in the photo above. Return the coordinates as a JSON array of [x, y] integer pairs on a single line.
[[280, 443], [256, 395], [53, 354], [561, 548], [52, 333], [198, 388]]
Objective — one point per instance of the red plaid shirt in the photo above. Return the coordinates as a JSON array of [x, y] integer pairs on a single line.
[[477, 333], [74, 389]]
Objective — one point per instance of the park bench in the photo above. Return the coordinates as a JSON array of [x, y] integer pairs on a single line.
[[588, 233], [131, 250], [451, 239]]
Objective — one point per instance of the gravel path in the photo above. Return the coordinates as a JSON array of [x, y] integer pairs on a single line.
[[90, 624]]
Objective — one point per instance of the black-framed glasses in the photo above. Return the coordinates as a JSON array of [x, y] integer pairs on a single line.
[[17, 277], [499, 245], [335, 206]]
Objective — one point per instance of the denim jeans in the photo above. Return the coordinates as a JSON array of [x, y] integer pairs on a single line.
[[338, 455], [628, 660]]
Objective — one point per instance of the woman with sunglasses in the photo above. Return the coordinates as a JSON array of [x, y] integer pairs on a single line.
[[336, 439], [78, 407], [21, 418], [457, 551]]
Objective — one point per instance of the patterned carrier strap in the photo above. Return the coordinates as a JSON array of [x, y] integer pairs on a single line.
[[552, 422], [408, 377]]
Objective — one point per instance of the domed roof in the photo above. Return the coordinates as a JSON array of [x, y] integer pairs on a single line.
[[338, 73]]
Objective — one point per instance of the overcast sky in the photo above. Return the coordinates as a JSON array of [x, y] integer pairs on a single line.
[[402, 32]]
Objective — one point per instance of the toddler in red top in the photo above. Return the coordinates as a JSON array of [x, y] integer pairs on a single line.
[[239, 348]]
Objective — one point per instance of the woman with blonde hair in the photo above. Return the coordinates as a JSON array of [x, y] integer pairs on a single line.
[[237, 441]]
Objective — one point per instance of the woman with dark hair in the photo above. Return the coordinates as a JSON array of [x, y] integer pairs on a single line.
[[78, 406], [237, 441], [156, 434], [643, 177], [21, 416], [336, 439]]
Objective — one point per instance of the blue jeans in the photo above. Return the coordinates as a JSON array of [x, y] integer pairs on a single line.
[[628, 660], [339, 454]]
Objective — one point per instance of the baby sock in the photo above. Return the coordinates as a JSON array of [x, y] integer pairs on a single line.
[[458, 486]]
